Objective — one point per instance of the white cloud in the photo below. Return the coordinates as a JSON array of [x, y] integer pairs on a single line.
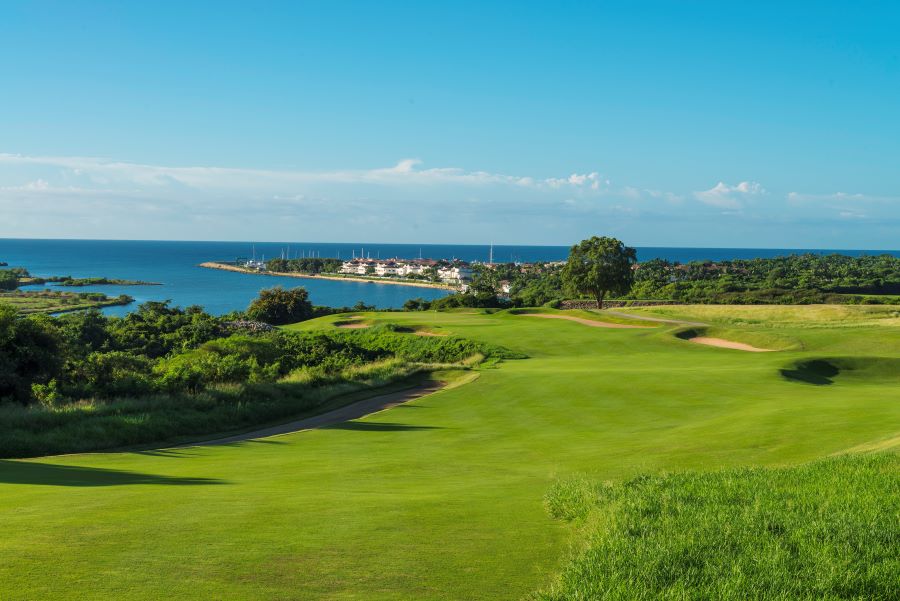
[[800, 197], [91, 197], [104, 172], [724, 196]]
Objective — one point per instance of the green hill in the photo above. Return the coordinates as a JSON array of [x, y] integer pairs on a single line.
[[443, 498]]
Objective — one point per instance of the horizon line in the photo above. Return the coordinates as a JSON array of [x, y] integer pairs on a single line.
[[256, 241]]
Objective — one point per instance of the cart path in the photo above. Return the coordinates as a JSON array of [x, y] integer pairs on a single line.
[[341, 414]]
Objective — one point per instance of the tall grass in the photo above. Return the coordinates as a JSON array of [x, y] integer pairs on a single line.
[[826, 530], [93, 425]]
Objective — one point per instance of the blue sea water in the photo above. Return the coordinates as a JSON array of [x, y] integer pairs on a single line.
[[175, 265]]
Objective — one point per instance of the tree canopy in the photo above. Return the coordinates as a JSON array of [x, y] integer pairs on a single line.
[[278, 306], [599, 266]]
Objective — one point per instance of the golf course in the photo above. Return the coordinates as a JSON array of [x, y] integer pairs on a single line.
[[445, 496]]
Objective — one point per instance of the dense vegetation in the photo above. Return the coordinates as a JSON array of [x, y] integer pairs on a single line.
[[827, 530], [9, 278], [98, 281], [278, 306], [311, 265], [599, 266], [795, 279], [84, 381]]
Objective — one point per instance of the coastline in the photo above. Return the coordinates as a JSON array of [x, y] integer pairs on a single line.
[[337, 278], [36, 302]]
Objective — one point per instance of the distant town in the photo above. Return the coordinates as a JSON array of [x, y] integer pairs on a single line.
[[451, 273]]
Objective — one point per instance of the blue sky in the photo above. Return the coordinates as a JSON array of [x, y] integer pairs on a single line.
[[764, 124]]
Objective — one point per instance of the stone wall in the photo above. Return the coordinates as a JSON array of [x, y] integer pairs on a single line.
[[614, 304]]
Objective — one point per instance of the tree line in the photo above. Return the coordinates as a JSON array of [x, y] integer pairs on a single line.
[[601, 268]]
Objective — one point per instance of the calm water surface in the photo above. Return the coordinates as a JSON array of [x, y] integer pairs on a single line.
[[174, 264]]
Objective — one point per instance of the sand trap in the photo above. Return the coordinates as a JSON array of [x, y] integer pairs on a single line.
[[581, 320], [722, 343], [426, 333]]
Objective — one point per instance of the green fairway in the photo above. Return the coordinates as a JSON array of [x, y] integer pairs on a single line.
[[442, 498]]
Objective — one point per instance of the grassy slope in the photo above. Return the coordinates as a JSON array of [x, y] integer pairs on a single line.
[[823, 530], [440, 499]]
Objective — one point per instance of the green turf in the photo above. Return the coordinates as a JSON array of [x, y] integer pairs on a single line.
[[823, 530], [441, 498]]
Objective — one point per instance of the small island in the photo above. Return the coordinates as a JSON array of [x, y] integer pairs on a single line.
[[27, 302], [79, 282], [57, 301], [69, 281]]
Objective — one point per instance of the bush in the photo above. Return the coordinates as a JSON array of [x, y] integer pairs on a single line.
[[278, 306]]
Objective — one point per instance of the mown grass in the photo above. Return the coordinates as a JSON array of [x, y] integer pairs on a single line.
[[584, 314], [229, 383], [441, 498], [825, 530]]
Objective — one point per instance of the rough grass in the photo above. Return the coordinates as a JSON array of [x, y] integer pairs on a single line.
[[826, 530], [51, 301], [94, 425], [442, 497], [779, 316]]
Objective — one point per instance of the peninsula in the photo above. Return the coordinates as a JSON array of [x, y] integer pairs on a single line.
[[258, 268]]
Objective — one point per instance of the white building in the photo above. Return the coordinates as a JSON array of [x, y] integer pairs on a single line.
[[357, 266], [455, 274], [387, 269]]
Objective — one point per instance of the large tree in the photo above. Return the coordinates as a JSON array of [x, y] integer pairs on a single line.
[[600, 266], [278, 306]]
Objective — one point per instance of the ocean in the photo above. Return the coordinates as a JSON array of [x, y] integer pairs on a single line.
[[174, 265]]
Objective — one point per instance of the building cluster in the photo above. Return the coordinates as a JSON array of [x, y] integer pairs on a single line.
[[457, 273]]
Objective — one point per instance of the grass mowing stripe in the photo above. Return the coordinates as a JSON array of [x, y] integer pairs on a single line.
[[441, 498]]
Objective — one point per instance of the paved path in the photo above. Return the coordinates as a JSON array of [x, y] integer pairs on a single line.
[[342, 414]]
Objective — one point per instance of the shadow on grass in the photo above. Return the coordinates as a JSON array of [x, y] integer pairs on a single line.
[[28, 472], [817, 372], [379, 427], [188, 450]]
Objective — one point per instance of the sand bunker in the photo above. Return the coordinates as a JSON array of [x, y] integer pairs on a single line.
[[427, 333], [581, 320], [722, 343]]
